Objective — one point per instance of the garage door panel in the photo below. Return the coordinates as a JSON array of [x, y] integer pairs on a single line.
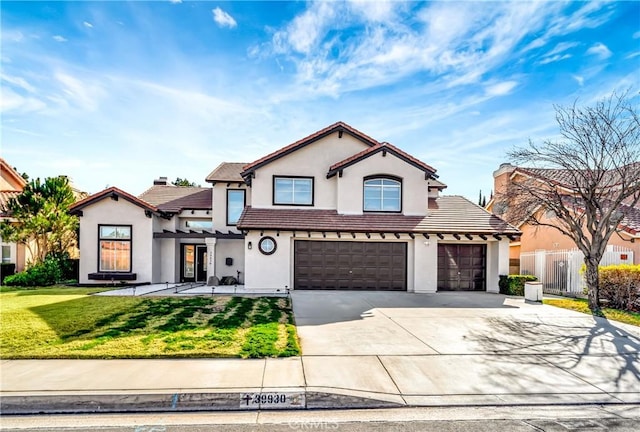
[[461, 267], [350, 265]]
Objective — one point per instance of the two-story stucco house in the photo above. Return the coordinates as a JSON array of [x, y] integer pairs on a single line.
[[334, 210]]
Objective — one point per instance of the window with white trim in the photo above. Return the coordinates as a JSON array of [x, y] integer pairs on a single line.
[[382, 195], [114, 248], [293, 191]]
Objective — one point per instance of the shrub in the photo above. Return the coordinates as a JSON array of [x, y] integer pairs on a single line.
[[620, 286], [514, 284], [46, 273]]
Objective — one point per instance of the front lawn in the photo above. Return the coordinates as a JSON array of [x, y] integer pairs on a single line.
[[582, 305], [69, 323]]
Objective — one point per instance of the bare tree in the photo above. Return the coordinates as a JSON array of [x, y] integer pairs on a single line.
[[584, 183]]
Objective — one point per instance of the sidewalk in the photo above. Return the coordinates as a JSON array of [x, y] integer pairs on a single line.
[[76, 386]]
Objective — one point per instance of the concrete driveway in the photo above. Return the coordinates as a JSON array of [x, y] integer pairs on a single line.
[[472, 347]]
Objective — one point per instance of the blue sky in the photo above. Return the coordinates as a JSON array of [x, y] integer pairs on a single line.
[[119, 93]]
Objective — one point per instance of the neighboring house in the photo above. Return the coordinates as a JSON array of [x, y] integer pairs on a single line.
[[11, 185], [334, 210], [536, 237]]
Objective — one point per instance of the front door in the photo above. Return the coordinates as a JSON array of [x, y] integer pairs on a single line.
[[201, 263], [194, 263]]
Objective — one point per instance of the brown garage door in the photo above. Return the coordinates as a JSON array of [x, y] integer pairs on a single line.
[[350, 265], [462, 267]]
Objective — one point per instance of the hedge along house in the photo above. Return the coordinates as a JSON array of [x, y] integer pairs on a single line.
[[334, 210]]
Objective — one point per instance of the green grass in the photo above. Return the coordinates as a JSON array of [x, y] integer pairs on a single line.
[[582, 305], [69, 323]]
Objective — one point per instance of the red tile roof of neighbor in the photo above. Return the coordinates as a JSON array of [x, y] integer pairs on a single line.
[[115, 192], [564, 177], [385, 146], [336, 127], [5, 196], [631, 220], [448, 214], [7, 170]]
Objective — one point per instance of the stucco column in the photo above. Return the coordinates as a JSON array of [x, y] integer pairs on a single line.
[[211, 256]]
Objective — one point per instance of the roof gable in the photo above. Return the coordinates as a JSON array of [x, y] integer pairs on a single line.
[[339, 127], [227, 172], [115, 194], [384, 147], [11, 177]]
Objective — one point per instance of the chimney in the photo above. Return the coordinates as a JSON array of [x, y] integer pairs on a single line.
[[160, 181]]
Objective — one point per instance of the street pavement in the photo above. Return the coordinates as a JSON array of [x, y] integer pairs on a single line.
[[366, 349]]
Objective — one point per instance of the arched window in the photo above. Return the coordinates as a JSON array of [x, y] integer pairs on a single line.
[[382, 194]]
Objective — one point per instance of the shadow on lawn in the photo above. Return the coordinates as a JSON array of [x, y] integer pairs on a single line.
[[598, 351], [97, 317]]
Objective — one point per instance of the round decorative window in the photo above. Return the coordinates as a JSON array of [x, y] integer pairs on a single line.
[[267, 245]]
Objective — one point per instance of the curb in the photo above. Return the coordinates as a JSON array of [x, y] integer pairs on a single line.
[[177, 402]]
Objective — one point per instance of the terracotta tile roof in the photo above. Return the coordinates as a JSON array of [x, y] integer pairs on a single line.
[[7, 170], [385, 146], [448, 214], [563, 177], [5, 196], [338, 126], [227, 172], [112, 191], [631, 220], [173, 199]]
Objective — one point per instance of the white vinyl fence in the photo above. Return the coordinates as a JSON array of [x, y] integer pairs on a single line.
[[559, 270]]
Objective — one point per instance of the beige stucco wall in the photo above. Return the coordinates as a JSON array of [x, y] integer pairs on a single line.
[[121, 212], [426, 268], [229, 248], [220, 204], [276, 271], [273, 271], [547, 238], [414, 186], [313, 160]]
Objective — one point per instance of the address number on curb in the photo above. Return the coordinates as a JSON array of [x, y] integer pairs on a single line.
[[270, 400]]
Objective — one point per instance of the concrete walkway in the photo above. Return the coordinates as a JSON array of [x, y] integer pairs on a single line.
[[366, 350]]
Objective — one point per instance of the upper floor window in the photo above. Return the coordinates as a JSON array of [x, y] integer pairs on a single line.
[[382, 194], [235, 205], [115, 248], [293, 191]]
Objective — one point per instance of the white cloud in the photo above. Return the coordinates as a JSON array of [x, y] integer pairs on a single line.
[[579, 79], [561, 47], [554, 58], [14, 102], [632, 55], [87, 24], [636, 35], [82, 93], [374, 10], [18, 82], [59, 38], [223, 18], [501, 89], [599, 50], [175, 1], [306, 30]]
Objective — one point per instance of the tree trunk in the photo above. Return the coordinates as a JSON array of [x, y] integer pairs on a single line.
[[593, 285]]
